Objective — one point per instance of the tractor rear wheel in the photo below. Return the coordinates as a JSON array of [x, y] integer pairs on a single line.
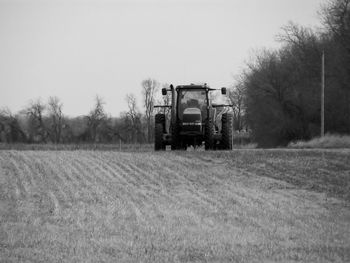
[[158, 137], [160, 118], [159, 128], [227, 121], [175, 142], [209, 135]]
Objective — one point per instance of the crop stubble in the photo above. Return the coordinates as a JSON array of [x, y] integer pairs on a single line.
[[239, 206]]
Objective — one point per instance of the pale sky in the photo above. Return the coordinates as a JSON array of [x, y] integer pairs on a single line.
[[77, 49]]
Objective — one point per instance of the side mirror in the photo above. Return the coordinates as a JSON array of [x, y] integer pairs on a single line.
[[223, 91], [163, 91]]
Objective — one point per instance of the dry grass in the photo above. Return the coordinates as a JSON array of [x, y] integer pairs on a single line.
[[245, 146], [322, 170], [100, 206], [328, 141], [76, 147]]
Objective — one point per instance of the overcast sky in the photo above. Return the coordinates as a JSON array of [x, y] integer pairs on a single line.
[[76, 49]]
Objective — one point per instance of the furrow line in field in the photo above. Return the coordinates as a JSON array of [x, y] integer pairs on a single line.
[[55, 180], [116, 174], [104, 164], [177, 178], [133, 193], [99, 169], [50, 178], [67, 166], [156, 174], [100, 186], [61, 166], [89, 189], [148, 177], [220, 191], [24, 164], [181, 173], [163, 165], [145, 180], [112, 182], [139, 189], [9, 182], [24, 177], [184, 172], [199, 161], [208, 173], [21, 189], [42, 190], [124, 165], [205, 179], [122, 172], [195, 161], [82, 167], [198, 179], [193, 190]]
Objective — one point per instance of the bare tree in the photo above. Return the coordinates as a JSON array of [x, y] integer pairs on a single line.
[[149, 88], [133, 117], [35, 112], [56, 118], [236, 96], [336, 18], [10, 130], [96, 117]]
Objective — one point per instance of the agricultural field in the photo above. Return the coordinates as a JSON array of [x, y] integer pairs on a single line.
[[244, 205]]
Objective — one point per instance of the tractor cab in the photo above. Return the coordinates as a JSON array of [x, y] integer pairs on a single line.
[[192, 108]]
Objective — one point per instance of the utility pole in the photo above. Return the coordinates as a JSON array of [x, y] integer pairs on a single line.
[[322, 96]]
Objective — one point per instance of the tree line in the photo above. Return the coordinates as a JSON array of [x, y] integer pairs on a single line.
[[280, 90], [41, 122]]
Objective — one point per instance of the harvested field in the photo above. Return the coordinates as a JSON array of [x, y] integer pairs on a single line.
[[238, 206]]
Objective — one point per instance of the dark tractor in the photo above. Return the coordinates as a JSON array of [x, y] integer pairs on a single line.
[[194, 120]]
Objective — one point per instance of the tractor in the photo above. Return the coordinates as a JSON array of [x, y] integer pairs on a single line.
[[194, 120]]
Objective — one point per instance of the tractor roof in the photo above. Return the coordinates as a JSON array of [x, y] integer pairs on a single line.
[[192, 86]]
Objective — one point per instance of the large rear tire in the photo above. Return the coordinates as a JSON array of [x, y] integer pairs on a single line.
[[209, 135], [227, 130], [175, 142], [159, 129], [158, 137]]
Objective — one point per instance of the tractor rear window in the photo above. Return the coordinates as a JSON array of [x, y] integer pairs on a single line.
[[188, 96], [192, 99]]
